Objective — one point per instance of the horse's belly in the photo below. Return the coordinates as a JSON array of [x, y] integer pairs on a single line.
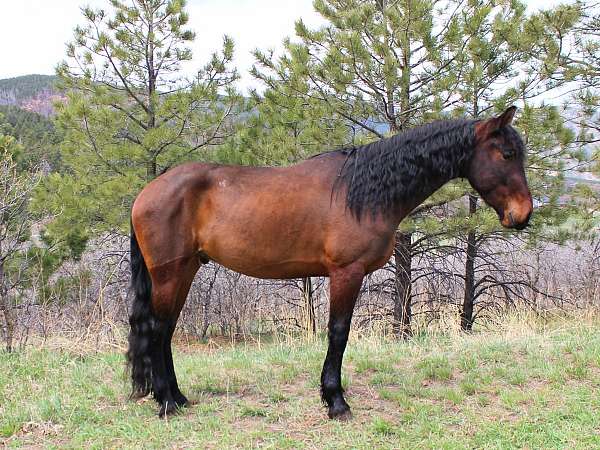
[[273, 248], [266, 256], [274, 270]]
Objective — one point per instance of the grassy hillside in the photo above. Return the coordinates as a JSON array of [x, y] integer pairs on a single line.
[[529, 386]]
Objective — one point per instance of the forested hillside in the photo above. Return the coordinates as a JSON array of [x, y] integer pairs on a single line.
[[35, 134], [34, 93]]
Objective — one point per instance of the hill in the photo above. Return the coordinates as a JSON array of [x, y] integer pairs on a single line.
[[36, 134], [532, 385], [34, 93]]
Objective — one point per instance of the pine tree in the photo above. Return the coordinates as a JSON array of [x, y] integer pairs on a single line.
[[509, 50], [131, 113], [381, 67], [286, 125], [579, 64], [35, 133], [16, 187], [384, 66]]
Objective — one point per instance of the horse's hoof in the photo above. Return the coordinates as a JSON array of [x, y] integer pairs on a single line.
[[342, 414], [167, 409], [181, 401]]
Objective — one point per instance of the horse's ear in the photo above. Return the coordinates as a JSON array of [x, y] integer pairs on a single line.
[[507, 116], [503, 120]]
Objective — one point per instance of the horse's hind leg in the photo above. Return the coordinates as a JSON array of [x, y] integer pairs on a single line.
[[170, 283], [344, 286], [160, 383], [180, 399], [189, 273]]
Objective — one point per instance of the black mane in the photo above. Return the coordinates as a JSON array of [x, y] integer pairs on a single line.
[[380, 175]]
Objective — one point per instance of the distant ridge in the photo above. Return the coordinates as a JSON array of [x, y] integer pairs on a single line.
[[35, 93]]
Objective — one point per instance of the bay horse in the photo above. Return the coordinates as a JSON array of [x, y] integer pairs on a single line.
[[332, 215]]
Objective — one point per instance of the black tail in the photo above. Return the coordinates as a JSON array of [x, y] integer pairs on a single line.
[[142, 322]]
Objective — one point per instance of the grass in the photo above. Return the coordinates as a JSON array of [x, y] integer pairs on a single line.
[[528, 386]]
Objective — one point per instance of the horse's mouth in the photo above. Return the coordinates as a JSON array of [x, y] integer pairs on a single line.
[[508, 221]]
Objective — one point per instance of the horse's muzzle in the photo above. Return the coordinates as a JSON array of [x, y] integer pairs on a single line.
[[518, 222]]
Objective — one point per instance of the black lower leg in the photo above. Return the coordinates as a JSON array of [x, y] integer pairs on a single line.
[[344, 286], [331, 377], [179, 398], [160, 381]]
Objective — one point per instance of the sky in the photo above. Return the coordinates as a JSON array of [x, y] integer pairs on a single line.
[[33, 33]]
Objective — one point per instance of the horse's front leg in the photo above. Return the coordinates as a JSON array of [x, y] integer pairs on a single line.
[[344, 286]]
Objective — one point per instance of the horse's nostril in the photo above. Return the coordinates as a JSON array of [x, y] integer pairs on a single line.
[[521, 224], [512, 220]]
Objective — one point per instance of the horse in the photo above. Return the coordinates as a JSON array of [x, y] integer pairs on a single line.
[[334, 215]]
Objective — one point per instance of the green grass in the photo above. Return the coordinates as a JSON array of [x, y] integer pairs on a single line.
[[534, 389]]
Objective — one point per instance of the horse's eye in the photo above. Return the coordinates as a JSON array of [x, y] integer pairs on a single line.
[[508, 154]]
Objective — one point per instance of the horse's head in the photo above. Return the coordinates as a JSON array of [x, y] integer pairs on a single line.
[[496, 170]]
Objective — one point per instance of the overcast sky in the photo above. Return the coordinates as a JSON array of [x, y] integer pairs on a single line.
[[33, 33]]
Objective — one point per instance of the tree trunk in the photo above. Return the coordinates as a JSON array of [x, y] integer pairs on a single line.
[[151, 169], [6, 310], [466, 316], [309, 304], [152, 75], [403, 294]]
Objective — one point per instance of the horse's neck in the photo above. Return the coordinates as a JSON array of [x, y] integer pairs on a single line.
[[405, 209]]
